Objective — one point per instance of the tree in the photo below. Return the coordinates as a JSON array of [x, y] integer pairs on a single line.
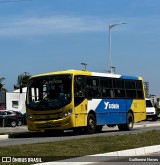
[[2, 89], [22, 80]]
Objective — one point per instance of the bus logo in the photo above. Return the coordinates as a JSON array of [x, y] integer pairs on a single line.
[[111, 106]]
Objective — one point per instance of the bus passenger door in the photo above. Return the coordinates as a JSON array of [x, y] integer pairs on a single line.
[[80, 114], [80, 103]]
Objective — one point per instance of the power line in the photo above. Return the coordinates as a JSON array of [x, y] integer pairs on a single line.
[[8, 1]]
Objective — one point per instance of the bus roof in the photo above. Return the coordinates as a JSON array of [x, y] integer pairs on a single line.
[[88, 73]]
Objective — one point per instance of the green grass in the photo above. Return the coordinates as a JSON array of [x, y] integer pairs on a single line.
[[81, 147], [157, 111]]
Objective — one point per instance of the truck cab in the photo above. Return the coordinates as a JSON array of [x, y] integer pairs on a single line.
[[150, 110]]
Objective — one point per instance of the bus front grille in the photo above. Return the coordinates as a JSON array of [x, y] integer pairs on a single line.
[[48, 124], [47, 117]]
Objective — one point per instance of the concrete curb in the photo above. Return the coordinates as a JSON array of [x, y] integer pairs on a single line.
[[106, 157], [147, 125]]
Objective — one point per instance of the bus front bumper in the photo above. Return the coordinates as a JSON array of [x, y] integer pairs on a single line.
[[60, 124]]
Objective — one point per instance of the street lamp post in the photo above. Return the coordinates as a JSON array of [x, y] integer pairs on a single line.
[[85, 65], [112, 69]]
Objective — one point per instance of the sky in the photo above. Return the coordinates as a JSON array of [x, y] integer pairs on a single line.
[[39, 36]]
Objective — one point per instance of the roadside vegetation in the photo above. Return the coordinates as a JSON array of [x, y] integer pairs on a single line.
[[158, 111], [80, 147]]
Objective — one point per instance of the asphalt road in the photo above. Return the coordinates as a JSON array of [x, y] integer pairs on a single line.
[[26, 137]]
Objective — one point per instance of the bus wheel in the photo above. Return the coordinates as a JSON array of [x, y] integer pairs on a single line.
[[129, 125], [130, 122], [91, 124]]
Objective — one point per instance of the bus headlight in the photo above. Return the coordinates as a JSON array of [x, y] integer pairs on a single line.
[[29, 117], [67, 113]]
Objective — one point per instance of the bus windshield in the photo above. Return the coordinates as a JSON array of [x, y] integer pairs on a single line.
[[49, 92]]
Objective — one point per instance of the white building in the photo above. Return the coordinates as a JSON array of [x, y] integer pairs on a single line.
[[156, 100], [15, 100]]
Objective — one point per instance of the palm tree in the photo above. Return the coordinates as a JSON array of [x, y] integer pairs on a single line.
[[2, 89], [22, 80]]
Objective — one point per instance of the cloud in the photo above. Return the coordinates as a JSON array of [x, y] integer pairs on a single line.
[[22, 26], [50, 25]]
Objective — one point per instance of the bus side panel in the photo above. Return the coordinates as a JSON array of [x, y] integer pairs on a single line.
[[81, 114], [139, 109], [110, 111]]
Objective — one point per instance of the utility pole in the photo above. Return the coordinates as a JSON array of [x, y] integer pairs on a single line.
[[112, 69]]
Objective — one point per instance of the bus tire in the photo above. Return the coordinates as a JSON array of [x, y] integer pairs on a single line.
[[129, 125], [91, 124]]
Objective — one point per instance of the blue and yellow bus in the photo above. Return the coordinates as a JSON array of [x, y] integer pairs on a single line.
[[83, 100]]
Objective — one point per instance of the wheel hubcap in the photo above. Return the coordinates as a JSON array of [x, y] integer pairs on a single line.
[[91, 123], [130, 122]]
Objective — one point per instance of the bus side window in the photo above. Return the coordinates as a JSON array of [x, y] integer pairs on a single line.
[[140, 94], [139, 86], [95, 88], [112, 93], [89, 91], [79, 86], [119, 88], [106, 87], [131, 93], [92, 87], [130, 89]]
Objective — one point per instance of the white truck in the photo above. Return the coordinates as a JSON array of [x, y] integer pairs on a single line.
[[150, 110]]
